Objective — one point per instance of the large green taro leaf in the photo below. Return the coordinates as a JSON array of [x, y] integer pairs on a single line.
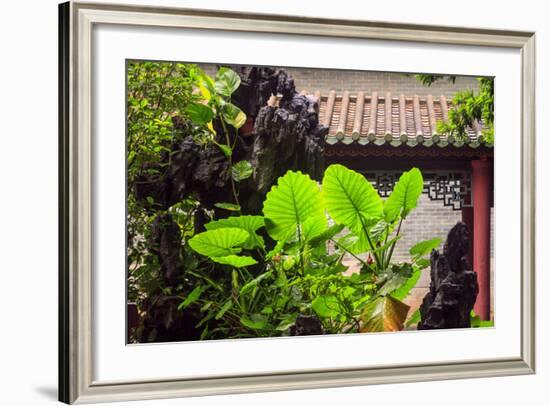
[[295, 199], [352, 201], [219, 242], [405, 195], [248, 223]]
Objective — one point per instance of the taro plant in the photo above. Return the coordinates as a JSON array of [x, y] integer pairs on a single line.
[[301, 274]]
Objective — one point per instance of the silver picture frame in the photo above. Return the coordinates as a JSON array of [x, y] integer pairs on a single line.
[[76, 21]]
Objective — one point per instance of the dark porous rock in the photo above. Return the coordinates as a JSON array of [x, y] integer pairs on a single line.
[[306, 326], [163, 322], [288, 137], [166, 238], [453, 288]]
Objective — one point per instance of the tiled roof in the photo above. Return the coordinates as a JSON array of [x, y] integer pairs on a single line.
[[364, 118]]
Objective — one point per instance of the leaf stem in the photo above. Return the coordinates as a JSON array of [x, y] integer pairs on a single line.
[[348, 251], [371, 245], [228, 142], [395, 242]]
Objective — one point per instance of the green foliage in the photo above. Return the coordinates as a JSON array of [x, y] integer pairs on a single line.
[[299, 275], [241, 170], [249, 223], [428, 80], [252, 276], [233, 115], [157, 94], [468, 107], [227, 82], [476, 322], [352, 201], [222, 244], [228, 206], [425, 247], [199, 113], [193, 297], [405, 195], [295, 199]]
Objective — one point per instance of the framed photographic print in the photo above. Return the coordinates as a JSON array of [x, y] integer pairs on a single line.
[[264, 202]]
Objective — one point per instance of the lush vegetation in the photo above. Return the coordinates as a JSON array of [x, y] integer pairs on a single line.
[[300, 275], [468, 107], [159, 96], [256, 274]]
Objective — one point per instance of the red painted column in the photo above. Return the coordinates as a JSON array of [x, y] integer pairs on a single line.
[[481, 191], [468, 219]]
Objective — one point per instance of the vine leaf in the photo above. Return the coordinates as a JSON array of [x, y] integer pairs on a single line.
[[234, 115], [405, 195], [291, 202], [241, 170], [226, 149], [227, 81], [199, 113], [384, 314]]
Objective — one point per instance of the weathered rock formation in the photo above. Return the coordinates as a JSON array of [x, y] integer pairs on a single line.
[[286, 136], [306, 326], [453, 287]]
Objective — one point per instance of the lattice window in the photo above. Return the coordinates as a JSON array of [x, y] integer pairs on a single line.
[[453, 188]]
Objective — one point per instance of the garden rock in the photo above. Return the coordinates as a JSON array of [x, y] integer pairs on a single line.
[[453, 287], [306, 326]]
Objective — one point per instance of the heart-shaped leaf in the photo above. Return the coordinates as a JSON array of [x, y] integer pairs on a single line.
[[352, 201], [290, 203], [241, 170], [405, 195], [248, 223], [219, 242], [199, 113], [234, 115], [227, 81]]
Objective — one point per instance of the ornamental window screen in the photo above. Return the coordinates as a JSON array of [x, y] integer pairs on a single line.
[[453, 188]]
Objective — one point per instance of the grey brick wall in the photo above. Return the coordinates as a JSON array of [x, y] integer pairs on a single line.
[[311, 80], [325, 80]]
